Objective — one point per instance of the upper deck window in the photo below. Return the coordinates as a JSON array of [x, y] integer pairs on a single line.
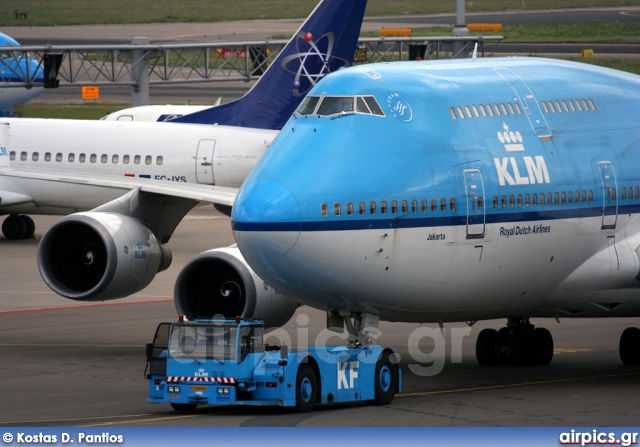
[[333, 105]]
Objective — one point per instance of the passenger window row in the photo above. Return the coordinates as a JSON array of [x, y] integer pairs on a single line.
[[393, 207], [91, 158], [504, 201], [503, 109], [569, 105]]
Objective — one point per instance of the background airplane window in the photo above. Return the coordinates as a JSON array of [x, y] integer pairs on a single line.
[[35, 156], [424, 205], [23, 156], [72, 157], [534, 200], [452, 204], [482, 110], [553, 109], [159, 160], [527, 199], [496, 109], [125, 159], [58, 156], [443, 205], [405, 207], [593, 106], [414, 206], [383, 207], [584, 196], [495, 202], [82, 158], [623, 193], [324, 209], [148, 159], [136, 159], [337, 209], [372, 207], [519, 200], [556, 198], [394, 207], [361, 208], [93, 158], [12, 155], [468, 111], [433, 205], [591, 196], [114, 159], [541, 199], [47, 156], [544, 106], [104, 158], [558, 107], [570, 198], [585, 106], [475, 111], [452, 113], [549, 199], [504, 109], [460, 112], [349, 209], [512, 201], [510, 107]]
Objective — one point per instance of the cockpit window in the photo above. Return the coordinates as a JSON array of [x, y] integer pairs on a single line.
[[308, 105], [373, 105], [332, 105], [335, 104]]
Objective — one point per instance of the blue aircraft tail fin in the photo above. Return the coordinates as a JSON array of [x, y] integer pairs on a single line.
[[326, 41]]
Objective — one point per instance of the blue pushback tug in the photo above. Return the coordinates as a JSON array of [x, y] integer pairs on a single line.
[[224, 362]]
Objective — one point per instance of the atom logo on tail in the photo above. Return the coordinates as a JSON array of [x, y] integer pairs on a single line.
[[312, 62]]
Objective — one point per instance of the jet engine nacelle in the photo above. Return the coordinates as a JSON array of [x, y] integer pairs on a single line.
[[96, 256], [220, 282]]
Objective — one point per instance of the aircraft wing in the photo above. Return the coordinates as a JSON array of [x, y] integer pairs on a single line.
[[198, 192]]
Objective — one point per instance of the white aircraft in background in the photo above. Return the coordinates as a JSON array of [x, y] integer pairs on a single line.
[[65, 166], [14, 70]]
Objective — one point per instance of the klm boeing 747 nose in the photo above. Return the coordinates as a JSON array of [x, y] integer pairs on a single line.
[[266, 220]]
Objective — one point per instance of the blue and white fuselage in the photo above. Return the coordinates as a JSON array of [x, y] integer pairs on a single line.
[[479, 189]]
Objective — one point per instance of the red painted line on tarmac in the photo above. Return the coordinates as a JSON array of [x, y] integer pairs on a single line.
[[83, 306]]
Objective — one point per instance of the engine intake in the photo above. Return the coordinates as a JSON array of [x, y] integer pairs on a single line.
[[220, 282], [96, 256]]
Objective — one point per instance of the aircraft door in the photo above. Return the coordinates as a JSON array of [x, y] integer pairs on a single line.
[[609, 194], [528, 102], [474, 192], [204, 162]]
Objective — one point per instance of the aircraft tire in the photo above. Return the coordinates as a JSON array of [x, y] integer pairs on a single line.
[[503, 345], [487, 347], [542, 346], [14, 228], [306, 388], [520, 352], [183, 407], [386, 380], [30, 226], [630, 346]]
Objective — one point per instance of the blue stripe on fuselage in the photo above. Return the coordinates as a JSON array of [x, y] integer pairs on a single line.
[[332, 224]]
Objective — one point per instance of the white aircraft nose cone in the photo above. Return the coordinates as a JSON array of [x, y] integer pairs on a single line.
[[266, 220]]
